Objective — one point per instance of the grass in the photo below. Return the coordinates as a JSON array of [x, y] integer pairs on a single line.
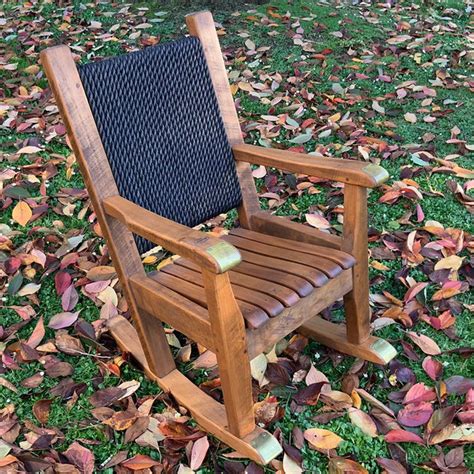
[[360, 36]]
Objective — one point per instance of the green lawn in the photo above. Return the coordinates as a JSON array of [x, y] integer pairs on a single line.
[[345, 81]]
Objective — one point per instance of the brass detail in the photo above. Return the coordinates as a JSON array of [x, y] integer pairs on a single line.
[[384, 350], [225, 254], [377, 172], [267, 446]]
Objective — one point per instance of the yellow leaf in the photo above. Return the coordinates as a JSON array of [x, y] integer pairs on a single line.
[[452, 262], [378, 266], [22, 213], [322, 439], [150, 259]]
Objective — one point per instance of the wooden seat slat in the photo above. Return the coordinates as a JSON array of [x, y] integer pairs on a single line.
[[270, 305], [329, 268], [278, 289], [253, 315], [343, 259]]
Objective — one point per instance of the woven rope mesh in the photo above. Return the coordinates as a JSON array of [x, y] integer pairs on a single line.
[[159, 121]]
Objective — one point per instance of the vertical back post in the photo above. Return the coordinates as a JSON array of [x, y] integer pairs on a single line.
[[202, 26], [74, 107]]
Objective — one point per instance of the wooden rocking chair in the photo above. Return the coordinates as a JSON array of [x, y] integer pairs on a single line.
[[160, 147]]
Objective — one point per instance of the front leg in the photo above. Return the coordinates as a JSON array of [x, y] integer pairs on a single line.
[[354, 242]]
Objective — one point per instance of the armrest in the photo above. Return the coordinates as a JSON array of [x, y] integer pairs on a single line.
[[336, 169], [207, 251]]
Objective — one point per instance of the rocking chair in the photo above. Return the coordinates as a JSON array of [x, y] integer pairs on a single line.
[[159, 144]]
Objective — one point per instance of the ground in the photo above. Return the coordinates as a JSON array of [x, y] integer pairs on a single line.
[[384, 84]]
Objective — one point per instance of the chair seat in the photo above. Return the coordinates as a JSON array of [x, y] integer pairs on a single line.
[[273, 275]]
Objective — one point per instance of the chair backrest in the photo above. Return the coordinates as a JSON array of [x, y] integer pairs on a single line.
[[159, 121]]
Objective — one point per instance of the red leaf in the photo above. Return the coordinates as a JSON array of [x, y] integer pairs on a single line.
[[37, 334], [414, 290], [391, 466], [419, 393], [402, 436], [69, 298], [432, 367], [61, 281], [81, 457], [415, 414], [140, 462]]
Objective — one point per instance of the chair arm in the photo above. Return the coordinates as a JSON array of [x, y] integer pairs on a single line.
[[207, 251], [336, 169]]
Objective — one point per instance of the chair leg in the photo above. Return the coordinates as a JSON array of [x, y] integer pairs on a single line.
[[354, 337], [356, 303], [259, 445], [228, 330], [154, 343]]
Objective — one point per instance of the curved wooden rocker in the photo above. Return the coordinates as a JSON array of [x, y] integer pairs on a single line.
[[143, 127]]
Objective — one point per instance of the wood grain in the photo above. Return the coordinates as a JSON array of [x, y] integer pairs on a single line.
[[67, 88], [269, 304], [177, 238], [253, 315], [228, 329], [262, 339], [356, 303], [326, 266], [343, 259], [336, 169], [282, 293], [177, 310], [266, 223]]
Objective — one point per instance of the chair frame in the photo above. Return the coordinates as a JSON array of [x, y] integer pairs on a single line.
[[221, 328]]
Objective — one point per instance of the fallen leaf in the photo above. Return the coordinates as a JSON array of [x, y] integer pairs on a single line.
[[425, 343], [22, 213], [363, 421], [415, 414], [322, 439], [140, 462], [432, 367], [402, 436], [63, 320], [198, 452], [81, 457]]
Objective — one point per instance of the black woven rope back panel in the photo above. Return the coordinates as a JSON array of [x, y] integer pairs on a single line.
[[159, 121]]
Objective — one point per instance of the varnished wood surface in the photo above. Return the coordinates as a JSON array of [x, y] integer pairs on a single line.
[[324, 265], [343, 259], [316, 277], [265, 223], [275, 329], [207, 412], [282, 293], [269, 304], [253, 315], [228, 329], [175, 237], [356, 303], [345, 171], [173, 308]]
